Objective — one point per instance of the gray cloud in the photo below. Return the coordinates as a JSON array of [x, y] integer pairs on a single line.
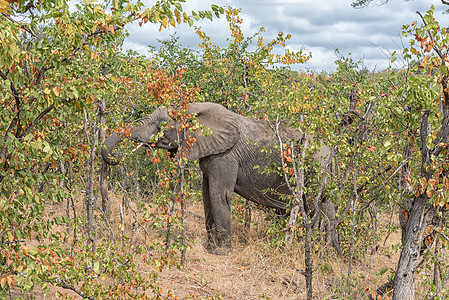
[[321, 26]]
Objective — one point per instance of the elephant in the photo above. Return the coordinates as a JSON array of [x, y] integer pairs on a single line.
[[227, 159]]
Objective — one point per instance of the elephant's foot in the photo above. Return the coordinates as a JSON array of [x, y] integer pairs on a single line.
[[222, 247]]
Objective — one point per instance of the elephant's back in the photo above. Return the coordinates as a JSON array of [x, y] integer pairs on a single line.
[[264, 133]]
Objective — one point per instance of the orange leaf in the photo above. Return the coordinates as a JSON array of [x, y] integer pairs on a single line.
[[11, 281], [3, 281]]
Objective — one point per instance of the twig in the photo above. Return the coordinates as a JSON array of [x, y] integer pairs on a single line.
[[67, 286]]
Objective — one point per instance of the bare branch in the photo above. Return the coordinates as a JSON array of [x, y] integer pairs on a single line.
[[70, 287]]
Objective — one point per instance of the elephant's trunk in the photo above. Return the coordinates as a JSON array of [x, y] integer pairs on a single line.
[[110, 143]]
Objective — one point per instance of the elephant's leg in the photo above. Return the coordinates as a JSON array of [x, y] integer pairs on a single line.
[[221, 214], [328, 209], [221, 175]]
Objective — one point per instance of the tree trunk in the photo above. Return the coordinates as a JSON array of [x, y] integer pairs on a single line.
[[404, 280], [406, 189], [90, 196], [104, 169]]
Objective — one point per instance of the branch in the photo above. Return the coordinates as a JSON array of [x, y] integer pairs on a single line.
[[425, 153], [441, 55], [446, 277], [69, 287], [437, 50], [35, 121], [19, 23]]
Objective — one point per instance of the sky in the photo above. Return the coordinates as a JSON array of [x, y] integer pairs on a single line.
[[320, 26]]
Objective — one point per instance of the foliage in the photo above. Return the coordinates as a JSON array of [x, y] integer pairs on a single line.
[[56, 65]]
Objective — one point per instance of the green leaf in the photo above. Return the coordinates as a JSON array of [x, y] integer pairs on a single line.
[[383, 270], [97, 267]]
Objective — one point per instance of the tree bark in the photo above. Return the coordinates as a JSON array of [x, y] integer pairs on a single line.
[[104, 169], [90, 196], [404, 280]]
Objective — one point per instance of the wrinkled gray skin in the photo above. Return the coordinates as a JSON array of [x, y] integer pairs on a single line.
[[227, 159]]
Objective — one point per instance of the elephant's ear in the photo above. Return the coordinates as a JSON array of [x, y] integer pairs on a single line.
[[223, 125]]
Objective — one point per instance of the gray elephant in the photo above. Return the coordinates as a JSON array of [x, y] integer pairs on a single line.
[[227, 158]]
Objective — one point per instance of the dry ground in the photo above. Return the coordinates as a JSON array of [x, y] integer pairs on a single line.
[[254, 270]]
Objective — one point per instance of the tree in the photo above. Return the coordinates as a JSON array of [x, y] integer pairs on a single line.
[[427, 103], [364, 3], [55, 69]]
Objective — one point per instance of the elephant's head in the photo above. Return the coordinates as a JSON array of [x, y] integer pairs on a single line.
[[222, 122]]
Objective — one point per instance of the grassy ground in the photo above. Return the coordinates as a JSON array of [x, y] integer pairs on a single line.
[[254, 269]]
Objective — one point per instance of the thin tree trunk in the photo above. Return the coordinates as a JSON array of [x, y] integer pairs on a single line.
[[136, 175], [248, 214], [183, 212], [296, 207], [406, 187], [104, 169], [308, 260], [90, 196]]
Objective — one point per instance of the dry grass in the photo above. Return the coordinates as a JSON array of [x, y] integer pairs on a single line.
[[254, 270]]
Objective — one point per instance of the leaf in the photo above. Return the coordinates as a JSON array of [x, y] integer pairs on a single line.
[[97, 267], [4, 6], [178, 16], [383, 270], [47, 149], [3, 281], [195, 15], [164, 22], [33, 251], [10, 236], [75, 93], [172, 22]]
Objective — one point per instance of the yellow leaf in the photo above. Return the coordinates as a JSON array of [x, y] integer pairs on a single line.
[[172, 22], [178, 16], [4, 6], [164, 22], [56, 91], [10, 237], [25, 250]]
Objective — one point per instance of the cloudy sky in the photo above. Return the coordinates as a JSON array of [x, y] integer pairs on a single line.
[[321, 26]]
